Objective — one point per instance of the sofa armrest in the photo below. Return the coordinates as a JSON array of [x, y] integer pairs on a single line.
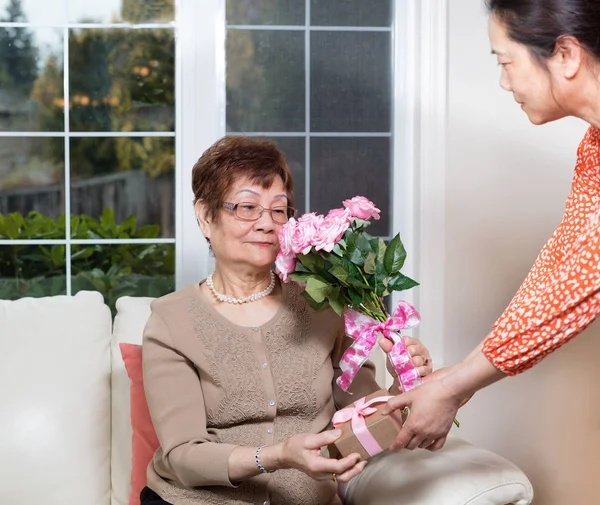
[[459, 474]]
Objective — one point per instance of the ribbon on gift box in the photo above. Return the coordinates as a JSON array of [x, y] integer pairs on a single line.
[[357, 413], [364, 330]]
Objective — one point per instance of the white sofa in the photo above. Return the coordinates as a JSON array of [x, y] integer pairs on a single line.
[[65, 435]]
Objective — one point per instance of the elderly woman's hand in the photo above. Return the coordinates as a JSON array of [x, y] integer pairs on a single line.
[[303, 452], [418, 352]]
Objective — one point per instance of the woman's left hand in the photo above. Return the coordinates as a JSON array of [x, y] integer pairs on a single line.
[[418, 352]]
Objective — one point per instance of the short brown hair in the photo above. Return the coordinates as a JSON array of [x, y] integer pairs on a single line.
[[233, 157]]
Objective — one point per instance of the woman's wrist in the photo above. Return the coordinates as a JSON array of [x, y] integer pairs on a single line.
[[395, 389], [271, 457], [471, 375]]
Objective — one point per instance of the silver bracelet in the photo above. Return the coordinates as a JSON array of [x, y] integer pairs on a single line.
[[257, 461]]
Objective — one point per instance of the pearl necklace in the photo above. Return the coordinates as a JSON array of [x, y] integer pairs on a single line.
[[230, 299]]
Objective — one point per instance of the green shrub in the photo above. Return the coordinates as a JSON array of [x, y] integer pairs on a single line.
[[114, 270]]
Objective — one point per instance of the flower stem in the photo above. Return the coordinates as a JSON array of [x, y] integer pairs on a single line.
[[378, 302], [362, 274]]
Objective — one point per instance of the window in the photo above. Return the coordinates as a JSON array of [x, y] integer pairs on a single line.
[[106, 106], [315, 76], [87, 147]]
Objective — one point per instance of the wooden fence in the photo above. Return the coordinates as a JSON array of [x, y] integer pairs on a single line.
[[133, 192]]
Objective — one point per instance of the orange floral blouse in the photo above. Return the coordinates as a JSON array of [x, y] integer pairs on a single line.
[[560, 296]]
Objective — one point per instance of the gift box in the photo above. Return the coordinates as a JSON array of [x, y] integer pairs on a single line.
[[365, 430]]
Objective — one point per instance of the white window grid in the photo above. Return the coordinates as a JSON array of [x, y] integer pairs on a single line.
[[67, 135], [307, 134]]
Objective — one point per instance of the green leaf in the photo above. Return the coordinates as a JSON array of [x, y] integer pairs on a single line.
[[333, 259], [374, 243], [356, 297], [96, 273], [128, 226], [10, 228], [57, 255], [148, 231], [317, 289], [339, 272], [107, 219], [18, 218], [342, 243], [302, 276], [359, 224], [301, 268], [381, 278], [312, 262], [394, 256], [358, 249], [336, 300], [82, 254], [338, 250], [315, 305], [401, 283], [363, 243], [58, 285], [370, 263], [146, 251], [369, 238], [359, 283], [356, 279], [381, 247]]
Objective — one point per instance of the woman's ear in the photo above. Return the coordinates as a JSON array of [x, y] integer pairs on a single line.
[[202, 218], [571, 55]]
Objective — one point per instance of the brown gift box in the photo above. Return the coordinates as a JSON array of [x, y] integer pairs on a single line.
[[383, 428]]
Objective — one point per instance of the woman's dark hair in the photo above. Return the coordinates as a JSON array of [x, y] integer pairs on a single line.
[[233, 157], [538, 24]]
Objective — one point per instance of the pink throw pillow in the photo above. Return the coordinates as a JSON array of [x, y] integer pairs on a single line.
[[144, 441]]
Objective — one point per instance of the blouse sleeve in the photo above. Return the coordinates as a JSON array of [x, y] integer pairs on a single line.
[[176, 405], [562, 304]]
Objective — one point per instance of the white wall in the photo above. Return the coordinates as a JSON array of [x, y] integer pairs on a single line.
[[506, 182]]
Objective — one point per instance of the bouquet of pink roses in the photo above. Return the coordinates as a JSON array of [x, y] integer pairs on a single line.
[[345, 268]]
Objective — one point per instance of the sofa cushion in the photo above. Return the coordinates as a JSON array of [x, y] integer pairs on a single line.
[[459, 474], [132, 314], [144, 440], [55, 400]]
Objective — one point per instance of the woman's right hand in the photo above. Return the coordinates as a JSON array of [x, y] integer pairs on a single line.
[[303, 452]]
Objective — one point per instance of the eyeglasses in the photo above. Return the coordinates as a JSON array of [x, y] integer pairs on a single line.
[[247, 211]]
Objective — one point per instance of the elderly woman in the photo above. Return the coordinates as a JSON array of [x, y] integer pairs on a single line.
[[239, 371]]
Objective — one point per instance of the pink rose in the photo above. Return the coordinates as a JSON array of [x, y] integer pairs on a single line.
[[362, 208], [285, 236], [305, 231], [285, 264], [338, 214], [332, 229]]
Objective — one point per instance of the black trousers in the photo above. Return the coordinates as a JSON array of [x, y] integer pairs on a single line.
[[149, 497]]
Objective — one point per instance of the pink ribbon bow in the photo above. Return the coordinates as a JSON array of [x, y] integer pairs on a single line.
[[365, 330], [357, 414]]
